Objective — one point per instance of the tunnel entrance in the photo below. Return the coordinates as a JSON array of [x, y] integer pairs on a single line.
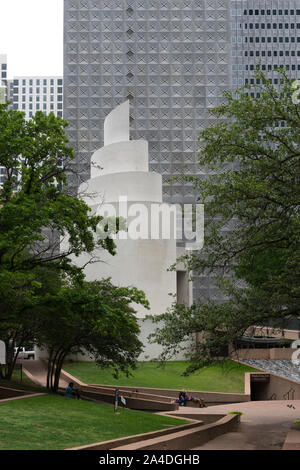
[[259, 386]]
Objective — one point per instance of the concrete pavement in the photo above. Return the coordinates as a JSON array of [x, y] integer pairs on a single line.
[[264, 424]]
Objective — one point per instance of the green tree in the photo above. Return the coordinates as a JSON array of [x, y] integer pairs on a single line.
[[92, 317], [35, 155], [35, 214], [251, 196]]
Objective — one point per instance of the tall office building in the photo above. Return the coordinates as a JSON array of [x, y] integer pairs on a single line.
[[172, 59], [265, 32], [3, 78], [31, 94]]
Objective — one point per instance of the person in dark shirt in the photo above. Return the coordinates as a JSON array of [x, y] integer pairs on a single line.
[[182, 399], [71, 391]]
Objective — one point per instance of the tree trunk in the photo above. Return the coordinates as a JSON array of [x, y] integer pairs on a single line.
[[59, 365], [10, 360], [49, 368]]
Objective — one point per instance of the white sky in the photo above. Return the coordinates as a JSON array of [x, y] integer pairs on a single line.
[[31, 35]]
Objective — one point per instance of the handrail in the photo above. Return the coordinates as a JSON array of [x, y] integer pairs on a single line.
[[287, 394]]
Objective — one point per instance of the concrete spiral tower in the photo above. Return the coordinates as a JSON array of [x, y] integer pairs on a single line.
[[120, 169]]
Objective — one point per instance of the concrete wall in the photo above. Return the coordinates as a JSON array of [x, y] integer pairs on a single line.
[[113, 443], [292, 441], [134, 403], [176, 438], [274, 332], [278, 388], [208, 397], [6, 392], [188, 439], [263, 353]]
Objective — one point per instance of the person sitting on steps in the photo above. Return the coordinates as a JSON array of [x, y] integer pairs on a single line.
[[196, 400], [72, 392]]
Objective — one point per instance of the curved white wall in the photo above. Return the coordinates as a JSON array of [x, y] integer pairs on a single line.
[[137, 186], [120, 157], [116, 125], [121, 168]]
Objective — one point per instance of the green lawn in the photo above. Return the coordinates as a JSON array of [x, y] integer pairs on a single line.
[[53, 423], [26, 384], [222, 376]]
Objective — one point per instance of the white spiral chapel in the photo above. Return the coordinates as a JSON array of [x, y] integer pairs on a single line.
[[121, 185]]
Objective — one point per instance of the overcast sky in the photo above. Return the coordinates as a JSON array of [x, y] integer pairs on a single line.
[[31, 34]]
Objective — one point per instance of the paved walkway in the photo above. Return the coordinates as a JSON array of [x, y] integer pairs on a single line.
[[37, 372], [264, 424]]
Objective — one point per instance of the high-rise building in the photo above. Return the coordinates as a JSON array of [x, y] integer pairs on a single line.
[[172, 59], [31, 94], [264, 33], [3, 78]]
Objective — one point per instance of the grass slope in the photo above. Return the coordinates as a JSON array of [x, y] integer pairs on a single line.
[[26, 384], [53, 423], [221, 376]]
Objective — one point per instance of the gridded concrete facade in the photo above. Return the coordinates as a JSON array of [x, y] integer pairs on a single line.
[[265, 32], [171, 58]]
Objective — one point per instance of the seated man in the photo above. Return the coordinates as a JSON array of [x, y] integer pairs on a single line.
[[182, 399], [71, 391], [196, 400]]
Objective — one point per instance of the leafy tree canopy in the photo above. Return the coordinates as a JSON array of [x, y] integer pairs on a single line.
[[251, 163], [36, 214], [96, 318]]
